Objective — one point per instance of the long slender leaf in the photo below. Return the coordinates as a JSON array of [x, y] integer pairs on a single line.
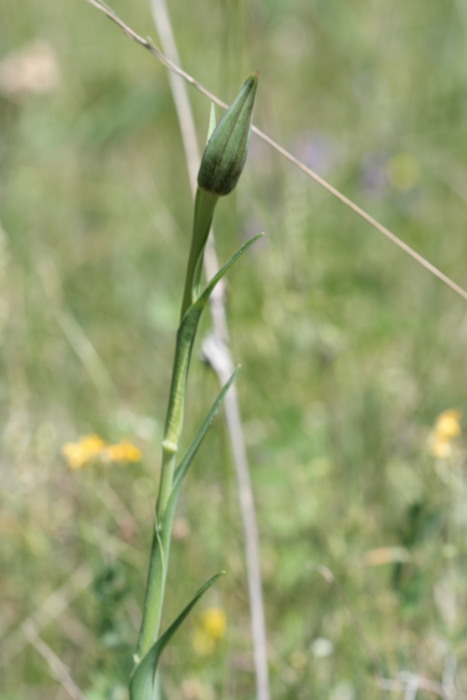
[[200, 302], [190, 454], [184, 346], [143, 684], [182, 469]]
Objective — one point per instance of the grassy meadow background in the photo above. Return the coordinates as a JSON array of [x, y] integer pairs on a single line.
[[349, 349]]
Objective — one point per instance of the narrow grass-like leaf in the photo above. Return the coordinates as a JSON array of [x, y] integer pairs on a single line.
[[184, 346], [165, 526], [190, 454], [143, 685], [206, 293], [167, 498]]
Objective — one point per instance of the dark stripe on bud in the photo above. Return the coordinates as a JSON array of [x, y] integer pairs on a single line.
[[226, 150]]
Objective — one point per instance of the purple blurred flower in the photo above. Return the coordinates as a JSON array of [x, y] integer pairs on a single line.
[[318, 151], [375, 174]]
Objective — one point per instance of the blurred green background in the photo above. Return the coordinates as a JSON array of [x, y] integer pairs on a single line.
[[349, 350]]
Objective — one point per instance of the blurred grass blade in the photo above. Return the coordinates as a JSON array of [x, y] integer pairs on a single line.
[[143, 683], [212, 121]]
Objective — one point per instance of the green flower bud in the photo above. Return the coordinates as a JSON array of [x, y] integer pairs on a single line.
[[226, 151]]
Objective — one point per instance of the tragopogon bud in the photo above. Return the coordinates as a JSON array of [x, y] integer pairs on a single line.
[[226, 150]]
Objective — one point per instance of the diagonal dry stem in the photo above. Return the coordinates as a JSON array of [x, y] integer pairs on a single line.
[[149, 46], [50, 609], [56, 665]]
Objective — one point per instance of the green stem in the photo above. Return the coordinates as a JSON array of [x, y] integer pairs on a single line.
[[205, 203], [153, 600], [155, 589]]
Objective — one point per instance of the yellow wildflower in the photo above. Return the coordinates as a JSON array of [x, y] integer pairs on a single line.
[[447, 427], [90, 448], [123, 452], [80, 454], [214, 622], [211, 628]]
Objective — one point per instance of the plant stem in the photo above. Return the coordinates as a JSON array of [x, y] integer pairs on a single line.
[[205, 203], [155, 589], [222, 163], [152, 605]]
